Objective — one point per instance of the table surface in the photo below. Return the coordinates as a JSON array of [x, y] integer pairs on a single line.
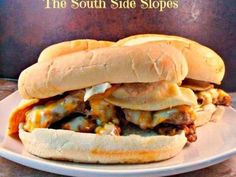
[[8, 168]]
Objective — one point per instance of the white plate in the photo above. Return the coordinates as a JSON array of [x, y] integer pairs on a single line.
[[216, 143]]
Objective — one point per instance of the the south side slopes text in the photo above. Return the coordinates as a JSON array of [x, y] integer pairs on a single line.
[[161, 5]]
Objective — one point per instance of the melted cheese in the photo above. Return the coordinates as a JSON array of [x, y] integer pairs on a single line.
[[42, 116], [108, 129], [103, 111], [149, 120], [75, 123], [79, 124]]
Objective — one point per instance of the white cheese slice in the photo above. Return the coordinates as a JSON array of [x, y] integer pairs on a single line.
[[101, 88], [151, 97]]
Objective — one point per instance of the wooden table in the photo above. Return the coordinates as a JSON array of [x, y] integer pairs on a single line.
[[8, 168]]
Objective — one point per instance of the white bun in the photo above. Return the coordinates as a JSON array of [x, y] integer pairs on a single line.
[[204, 64], [63, 48], [209, 113], [144, 63], [92, 148]]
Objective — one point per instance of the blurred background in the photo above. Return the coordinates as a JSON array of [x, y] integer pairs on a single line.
[[26, 28]]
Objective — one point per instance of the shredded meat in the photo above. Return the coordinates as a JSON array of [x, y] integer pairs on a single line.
[[190, 132], [215, 96], [225, 100], [148, 120], [182, 117], [171, 130], [166, 129]]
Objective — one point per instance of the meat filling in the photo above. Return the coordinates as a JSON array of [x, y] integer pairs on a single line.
[[108, 129], [147, 119], [215, 96], [101, 117], [42, 116], [79, 124], [171, 130]]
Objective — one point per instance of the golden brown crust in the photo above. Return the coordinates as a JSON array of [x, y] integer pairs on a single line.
[[63, 48], [142, 38], [201, 59], [144, 63]]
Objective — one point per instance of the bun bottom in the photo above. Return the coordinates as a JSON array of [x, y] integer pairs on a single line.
[[209, 113], [91, 148]]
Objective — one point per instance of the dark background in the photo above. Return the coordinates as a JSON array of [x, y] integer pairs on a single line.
[[26, 28]]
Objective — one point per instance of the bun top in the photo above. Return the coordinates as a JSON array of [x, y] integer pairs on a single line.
[[203, 63], [150, 62], [67, 47]]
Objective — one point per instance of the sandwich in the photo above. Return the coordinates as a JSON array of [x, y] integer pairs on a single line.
[[119, 104], [67, 47], [205, 74]]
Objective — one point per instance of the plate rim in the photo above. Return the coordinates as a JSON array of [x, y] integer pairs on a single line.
[[173, 169]]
